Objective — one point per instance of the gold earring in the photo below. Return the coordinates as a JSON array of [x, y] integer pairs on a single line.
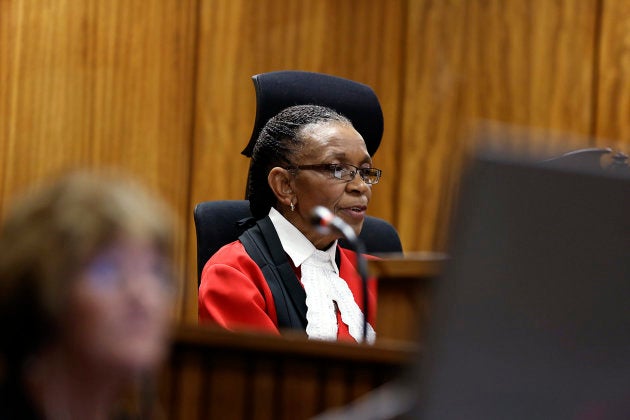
[[292, 206]]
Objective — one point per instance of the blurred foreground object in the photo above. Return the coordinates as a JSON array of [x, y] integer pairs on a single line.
[[86, 292], [592, 158], [532, 318]]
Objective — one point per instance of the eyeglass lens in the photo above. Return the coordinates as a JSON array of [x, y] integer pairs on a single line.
[[347, 172]]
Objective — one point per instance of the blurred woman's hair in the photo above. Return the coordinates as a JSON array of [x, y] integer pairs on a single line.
[[279, 141], [51, 234]]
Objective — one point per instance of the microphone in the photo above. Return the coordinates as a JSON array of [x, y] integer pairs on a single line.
[[325, 221]]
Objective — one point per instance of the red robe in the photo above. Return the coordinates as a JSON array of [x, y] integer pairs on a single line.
[[234, 293]]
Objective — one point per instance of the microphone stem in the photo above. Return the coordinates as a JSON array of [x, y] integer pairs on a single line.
[[362, 269], [359, 248]]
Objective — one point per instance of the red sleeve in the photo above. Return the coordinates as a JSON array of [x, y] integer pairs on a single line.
[[234, 294]]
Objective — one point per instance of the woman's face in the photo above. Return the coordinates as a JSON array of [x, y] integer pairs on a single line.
[[330, 142], [119, 311]]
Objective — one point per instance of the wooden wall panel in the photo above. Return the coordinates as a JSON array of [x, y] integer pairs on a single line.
[[613, 76], [528, 63], [162, 89], [355, 39], [358, 39], [93, 83]]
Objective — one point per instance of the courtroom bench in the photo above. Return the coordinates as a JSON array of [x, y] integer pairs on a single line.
[[405, 290], [217, 374]]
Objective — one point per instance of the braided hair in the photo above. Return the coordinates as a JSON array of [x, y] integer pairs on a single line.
[[279, 141]]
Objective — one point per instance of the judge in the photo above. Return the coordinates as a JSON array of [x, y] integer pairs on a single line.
[[283, 272]]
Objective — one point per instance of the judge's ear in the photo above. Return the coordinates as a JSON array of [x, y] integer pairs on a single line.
[[280, 182]]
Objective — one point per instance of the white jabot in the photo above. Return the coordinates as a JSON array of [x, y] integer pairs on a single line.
[[324, 288], [322, 284]]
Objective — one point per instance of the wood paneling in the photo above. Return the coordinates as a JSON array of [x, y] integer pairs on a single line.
[[93, 83], [162, 89], [613, 76], [240, 38], [405, 290], [522, 62]]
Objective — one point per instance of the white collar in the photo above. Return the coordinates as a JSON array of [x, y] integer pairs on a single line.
[[294, 243]]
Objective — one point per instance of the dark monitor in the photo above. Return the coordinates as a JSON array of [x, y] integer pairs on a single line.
[[532, 315]]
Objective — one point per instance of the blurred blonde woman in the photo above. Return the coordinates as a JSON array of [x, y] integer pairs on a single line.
[[86, 295]]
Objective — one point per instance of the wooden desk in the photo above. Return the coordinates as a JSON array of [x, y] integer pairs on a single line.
[[404, 294], [216, 374]]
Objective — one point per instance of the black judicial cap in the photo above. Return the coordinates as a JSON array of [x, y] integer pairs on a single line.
[[278, 90]]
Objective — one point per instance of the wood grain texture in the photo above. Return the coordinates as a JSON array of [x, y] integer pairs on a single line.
[[92, 83], [238, 39], [613, 76], [162, 89], [216, 374], [519, 62]]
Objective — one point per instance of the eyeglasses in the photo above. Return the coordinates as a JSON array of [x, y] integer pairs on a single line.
[[344, 171]]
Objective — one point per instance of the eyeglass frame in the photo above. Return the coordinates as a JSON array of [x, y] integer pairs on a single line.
[[333, 167]]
